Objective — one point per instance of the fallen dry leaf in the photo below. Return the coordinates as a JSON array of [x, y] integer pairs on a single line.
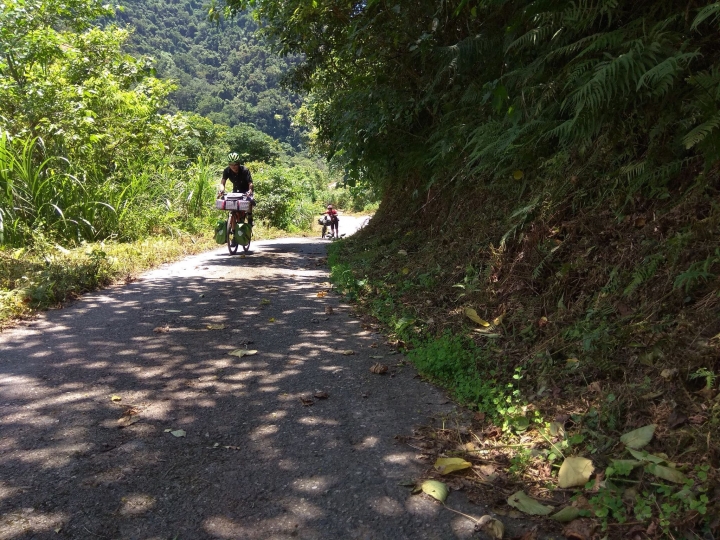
[[435, 489], [348, 352], [449, 465], [178, 433], [328, 310], [580, 529], [321, 394], [115, 398], [242, 352], [594, 387], [471, 314], [378, 368], [161, 329], [321, 294], [216, 327], [575, 471], [528, 535], [306, 401], [491, 526], [677, 419], [126, 421], [528, 505]]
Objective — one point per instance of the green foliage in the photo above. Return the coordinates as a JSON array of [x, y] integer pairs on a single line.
[[252, 144], [284, 196], [223, 72], [470, 93]]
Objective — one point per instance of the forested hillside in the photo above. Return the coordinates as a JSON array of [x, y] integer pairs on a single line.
[[547, 244], [223, 72]]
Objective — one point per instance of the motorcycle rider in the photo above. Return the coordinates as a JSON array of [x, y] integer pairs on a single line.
[[241, 180]]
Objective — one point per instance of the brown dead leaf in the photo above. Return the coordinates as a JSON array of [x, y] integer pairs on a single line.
[[487, 469], [348, 352], [306, 401], [697, 419], [677, 419], [328, 310], [161, 329], [321, 394], [378, 368], [126, 421], [529, 535], [580, 529], [322, 294], [542, 322], [594, 387], [640, 222]]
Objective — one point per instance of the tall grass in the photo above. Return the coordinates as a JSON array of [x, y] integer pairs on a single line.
[[42, 195]]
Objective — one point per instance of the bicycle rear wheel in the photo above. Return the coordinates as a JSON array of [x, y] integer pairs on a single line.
[[232, 245]]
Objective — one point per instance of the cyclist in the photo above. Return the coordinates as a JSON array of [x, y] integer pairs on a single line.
[[334, 221], [241, 180]]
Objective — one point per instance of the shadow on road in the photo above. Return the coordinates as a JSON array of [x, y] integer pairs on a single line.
[[90, 397]]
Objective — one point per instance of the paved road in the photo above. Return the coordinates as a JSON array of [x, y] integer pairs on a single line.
[[90, 393]]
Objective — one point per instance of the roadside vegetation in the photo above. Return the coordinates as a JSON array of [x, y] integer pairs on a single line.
[[97, 181], [547, 242]]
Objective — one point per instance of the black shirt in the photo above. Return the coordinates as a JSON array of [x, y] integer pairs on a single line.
[[240, 180]]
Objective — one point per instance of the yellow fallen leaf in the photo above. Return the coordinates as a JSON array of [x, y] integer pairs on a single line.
[[518, 175], [216, 327], [243, 352], [264, 302], [115, 398], [575, 471], [498, 320], [471, 314], [448, 465], [321, 294], [271, 319], [435, 489], [405, 271]]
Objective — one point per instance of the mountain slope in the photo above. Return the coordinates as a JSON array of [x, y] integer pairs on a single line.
[[223, 72]]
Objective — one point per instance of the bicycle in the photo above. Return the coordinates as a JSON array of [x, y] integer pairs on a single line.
[[326, 222], [238, 205]]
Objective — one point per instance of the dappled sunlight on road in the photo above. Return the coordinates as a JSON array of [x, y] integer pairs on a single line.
[[126, 416]]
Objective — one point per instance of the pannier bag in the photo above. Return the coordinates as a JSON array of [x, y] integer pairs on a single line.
[[221, 231], [242, 234], [232, 204]]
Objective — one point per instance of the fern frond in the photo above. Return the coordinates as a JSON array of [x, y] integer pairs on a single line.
[[713, 10], [660, 78], [533, 37], [633, 170], [699, 134]]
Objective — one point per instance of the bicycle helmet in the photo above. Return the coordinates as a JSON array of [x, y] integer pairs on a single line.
[[234, 157]]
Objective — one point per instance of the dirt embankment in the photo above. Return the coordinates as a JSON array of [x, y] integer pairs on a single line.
[[594, 319]]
